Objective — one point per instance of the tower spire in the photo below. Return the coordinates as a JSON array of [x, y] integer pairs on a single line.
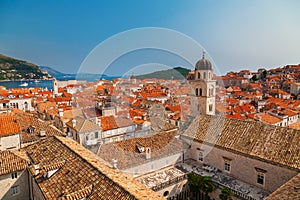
[[203, 54]]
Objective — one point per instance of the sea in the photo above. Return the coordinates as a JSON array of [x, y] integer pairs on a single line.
[[46, 84]]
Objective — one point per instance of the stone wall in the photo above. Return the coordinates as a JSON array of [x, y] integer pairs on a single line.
[[242, 167], [21, 182], [10, 142]]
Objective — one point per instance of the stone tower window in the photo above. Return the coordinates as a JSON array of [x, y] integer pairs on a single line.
[[210, 107]]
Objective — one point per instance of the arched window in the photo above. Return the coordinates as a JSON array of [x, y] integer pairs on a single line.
[[204, 75], [196, 91], [211, 91], [200, 92], [199, 75]]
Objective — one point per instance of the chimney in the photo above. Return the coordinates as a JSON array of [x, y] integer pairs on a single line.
[[115, 163], [69, 135], [61, 112], [98, 121], [36, 169], [74, 122], [42, 133], [148, 153]]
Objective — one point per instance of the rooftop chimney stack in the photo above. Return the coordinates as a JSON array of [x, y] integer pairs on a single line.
[[74, 122], [115, 163], [148, 153], [98, 121], [36, 169], [61, 112]]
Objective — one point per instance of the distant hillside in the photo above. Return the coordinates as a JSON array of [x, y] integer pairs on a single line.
[[176, 73], [52, 71], [81, 76], [13, 69]]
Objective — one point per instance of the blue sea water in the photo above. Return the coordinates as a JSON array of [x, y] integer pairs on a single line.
[[31, 84], [48, 83]]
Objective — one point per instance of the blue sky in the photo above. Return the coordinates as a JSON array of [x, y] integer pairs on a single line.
[[237, 34]]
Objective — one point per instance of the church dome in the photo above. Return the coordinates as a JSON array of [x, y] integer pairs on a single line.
[[203, 64]]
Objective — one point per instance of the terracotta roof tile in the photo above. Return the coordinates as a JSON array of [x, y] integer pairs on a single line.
[[83, 125], [108, 123], [129, 152], [10, 162], [9, 125], [266, 117], [83, 174]]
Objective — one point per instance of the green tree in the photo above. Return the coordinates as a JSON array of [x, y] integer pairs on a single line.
[[226, 194], [202, 183]]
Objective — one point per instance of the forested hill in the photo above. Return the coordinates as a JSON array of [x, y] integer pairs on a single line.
[[176, 73], [14, 69]]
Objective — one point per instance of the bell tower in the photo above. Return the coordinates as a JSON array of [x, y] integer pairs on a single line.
[[203, 87], [55, 87]]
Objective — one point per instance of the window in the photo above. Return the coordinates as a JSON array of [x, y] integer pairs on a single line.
[[87, 137], [211, 92], [15, 190], [260, 178], [196, 91], [200, 92], [14, 175], [210, 107], [96, 135], [227, 166], [199, 76], [201, 156]]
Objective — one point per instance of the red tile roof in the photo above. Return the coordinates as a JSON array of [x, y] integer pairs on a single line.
[[108, 123], [9, 125], [266, 117], [10, 162]]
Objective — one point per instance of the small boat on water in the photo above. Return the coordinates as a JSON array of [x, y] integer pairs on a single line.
[[24, 84], [36, 81]]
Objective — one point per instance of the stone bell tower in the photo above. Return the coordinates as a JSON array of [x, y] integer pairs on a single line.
[[203, 87]]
